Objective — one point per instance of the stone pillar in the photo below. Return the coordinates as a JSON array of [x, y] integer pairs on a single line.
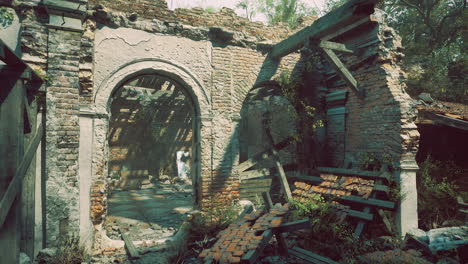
[[62, 125], [407, 211], [206, 151], [336, 126], [85, 175]]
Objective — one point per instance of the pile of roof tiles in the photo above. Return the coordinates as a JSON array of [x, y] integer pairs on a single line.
[[336, 186], [245, 234]]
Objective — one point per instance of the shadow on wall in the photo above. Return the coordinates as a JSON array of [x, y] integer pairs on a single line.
[[151, 119]]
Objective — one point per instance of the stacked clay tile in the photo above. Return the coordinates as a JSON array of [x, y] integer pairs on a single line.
[[244, 234], [337, 186]]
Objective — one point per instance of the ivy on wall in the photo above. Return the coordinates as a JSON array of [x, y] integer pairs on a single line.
[[6, 16]]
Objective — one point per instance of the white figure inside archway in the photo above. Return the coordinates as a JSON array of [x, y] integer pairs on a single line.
[[183, 169]]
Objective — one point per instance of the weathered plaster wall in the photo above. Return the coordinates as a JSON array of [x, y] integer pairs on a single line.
[[218, 58]]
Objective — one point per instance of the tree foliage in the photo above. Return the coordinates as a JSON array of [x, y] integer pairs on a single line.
[[276, 11], [249, 6], [433, 36]]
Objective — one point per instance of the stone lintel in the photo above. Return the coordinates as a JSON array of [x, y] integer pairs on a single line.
[[89, 111], [66, 14]]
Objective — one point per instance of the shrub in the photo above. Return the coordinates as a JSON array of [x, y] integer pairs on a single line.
[[437, 192], [70, 251], [211, 222]]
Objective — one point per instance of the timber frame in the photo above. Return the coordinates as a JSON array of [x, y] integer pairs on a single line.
[[318, 35], [19, 84]]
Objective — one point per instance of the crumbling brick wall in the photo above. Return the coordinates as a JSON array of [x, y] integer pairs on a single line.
[[381, 123], [218, 57]]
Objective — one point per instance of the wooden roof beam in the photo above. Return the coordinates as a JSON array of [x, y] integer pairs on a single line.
[[352, 12]]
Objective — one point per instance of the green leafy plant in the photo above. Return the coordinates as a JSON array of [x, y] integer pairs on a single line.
[[45, 76], [6, 16], [70, 251], [213, 221], [438, 188]]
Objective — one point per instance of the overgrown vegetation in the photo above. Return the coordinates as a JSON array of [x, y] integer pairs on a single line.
[[333, 237], [211, 222], [439, 184], [69, 251], [436, 56], [277, 11]]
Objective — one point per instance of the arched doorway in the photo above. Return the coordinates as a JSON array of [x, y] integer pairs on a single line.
[[95, 121], [151, 156], [265, 103]]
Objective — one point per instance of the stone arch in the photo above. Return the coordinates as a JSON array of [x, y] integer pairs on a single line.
[[152, 65], [94, 124]]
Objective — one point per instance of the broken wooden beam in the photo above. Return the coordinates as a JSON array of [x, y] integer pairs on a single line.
[[310, 257], [263, 154], [11, 59], [370, 202], [251, 256], [293, 226], [276, 160], [15, 184], [132, 250], [347, 14], [342, 71], [252, 174], [329, 45], [283, 248]]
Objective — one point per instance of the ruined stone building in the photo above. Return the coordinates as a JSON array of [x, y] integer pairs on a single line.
[[130, 83]]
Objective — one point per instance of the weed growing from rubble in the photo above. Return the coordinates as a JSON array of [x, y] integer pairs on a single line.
[[70, 251], [213, 221]]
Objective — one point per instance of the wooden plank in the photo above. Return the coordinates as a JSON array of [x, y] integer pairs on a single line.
[[314, 256], [293, 226], [28, 190], [346, 28], [341, 69], [365, 174], [256, 182], [252, 174], [330, 45], [10, 58], [446, 120], [20, 173], [360, 215], [264, 154], [279, 167], [132, 251], [349, 13], [283, 248], [306, 259], [360, 225], [247, 210], [371, 202], [251, 256]]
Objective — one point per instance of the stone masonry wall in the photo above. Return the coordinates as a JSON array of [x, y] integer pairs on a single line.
[[382, 122], [62, 133], [218, 57]]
